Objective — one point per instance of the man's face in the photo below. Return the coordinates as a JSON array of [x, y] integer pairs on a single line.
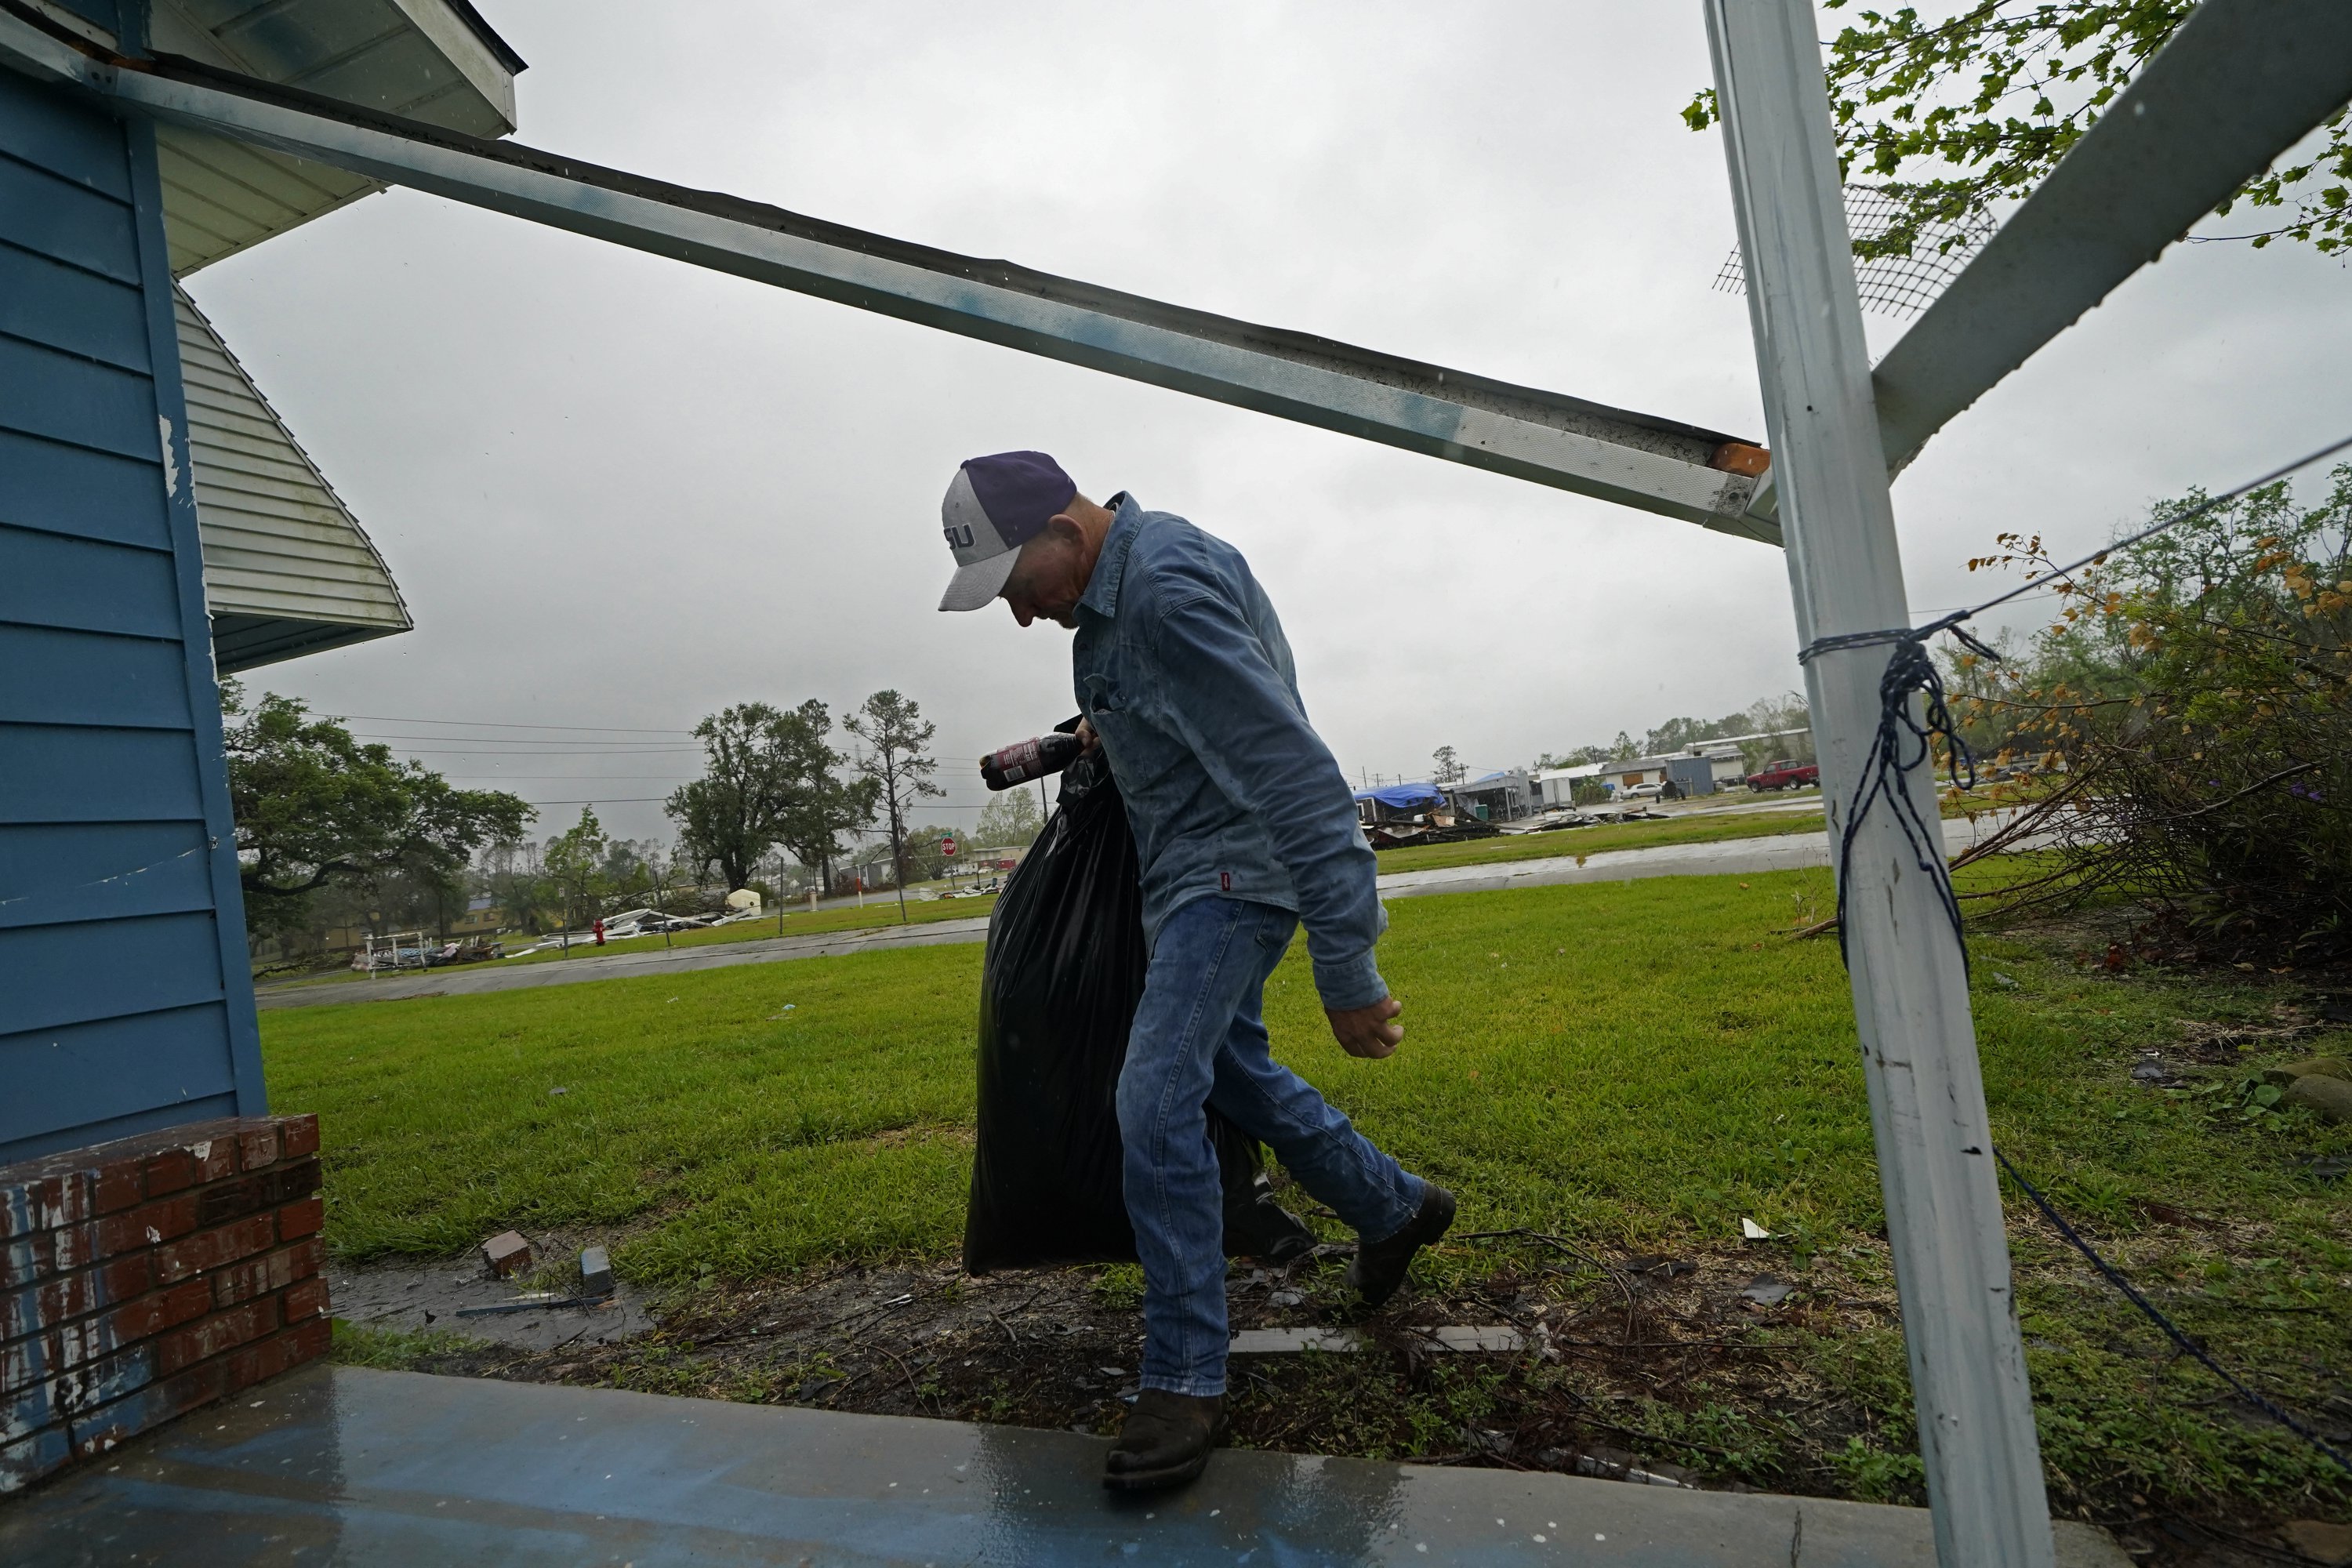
[[1049, 576]]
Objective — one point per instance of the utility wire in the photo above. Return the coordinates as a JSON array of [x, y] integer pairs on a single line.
[[2172, 1330], [503, 724]]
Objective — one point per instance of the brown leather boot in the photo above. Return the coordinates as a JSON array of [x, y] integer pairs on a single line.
[[1166, 1441]]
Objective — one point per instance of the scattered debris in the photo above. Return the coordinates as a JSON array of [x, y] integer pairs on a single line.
[[595, 1272], [2003, 980], [2316, 1067], [1499, 1340], [558, 1089], [538, 1301], [1290, 1342], [507, 1253], [1607, 1468], [2152, 1071], [2330, 1098], [2323, 1167], [2324, 1544], [1767, 1291], [1750, 1231]]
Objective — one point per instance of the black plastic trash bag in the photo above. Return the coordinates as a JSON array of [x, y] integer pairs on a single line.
[[1064, 973]]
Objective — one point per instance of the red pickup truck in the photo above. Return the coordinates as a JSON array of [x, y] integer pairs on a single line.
[[1785, 774]]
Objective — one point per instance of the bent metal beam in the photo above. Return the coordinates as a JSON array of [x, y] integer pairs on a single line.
[[1657, 465], [2240, 83]]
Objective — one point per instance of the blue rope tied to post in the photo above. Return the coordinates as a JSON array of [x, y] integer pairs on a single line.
[[1902, 743]]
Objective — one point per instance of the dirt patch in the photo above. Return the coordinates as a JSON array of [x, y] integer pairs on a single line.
[[413, 1298], [1616, 1347]]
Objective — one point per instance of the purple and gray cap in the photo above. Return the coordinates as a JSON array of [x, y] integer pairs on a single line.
[[996, 505]]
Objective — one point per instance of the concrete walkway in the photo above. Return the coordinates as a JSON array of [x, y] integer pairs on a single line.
[[365, 1468], [1730, 857]]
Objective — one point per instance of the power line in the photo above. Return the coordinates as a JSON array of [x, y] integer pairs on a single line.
[[503, 724], [525, 741]]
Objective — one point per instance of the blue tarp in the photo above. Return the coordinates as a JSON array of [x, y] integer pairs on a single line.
[[1404, 797]]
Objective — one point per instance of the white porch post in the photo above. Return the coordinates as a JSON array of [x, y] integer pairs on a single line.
[[1910, 989]]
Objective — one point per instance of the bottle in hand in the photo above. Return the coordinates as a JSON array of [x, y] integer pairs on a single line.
[[1029, 760]]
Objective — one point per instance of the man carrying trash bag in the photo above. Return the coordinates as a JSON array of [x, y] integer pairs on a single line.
[[1244, 829]]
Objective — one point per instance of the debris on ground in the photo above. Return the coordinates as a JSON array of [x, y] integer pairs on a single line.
[[595, 1273], [507, 1253], [1750, 1231], [1499, 1340], [537, 1300], [2329, 1098], [2327, 1544]]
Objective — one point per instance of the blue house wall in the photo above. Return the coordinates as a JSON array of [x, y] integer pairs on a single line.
[[126, 1000]]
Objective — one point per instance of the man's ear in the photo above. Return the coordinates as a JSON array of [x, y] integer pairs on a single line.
[[1065, 528]]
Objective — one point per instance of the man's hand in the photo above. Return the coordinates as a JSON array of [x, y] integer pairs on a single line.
[[1366, 1031], [1087, 739]]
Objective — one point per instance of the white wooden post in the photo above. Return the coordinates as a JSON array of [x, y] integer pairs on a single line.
[[1910, 988]]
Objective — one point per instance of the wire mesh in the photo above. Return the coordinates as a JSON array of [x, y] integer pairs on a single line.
[[1894, 285]]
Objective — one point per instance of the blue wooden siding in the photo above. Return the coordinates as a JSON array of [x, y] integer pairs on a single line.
[[125, 1001]]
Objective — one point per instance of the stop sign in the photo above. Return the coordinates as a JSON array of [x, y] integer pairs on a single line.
[[947, 846]]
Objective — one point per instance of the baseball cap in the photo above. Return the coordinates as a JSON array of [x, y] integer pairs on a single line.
[[996, 505]]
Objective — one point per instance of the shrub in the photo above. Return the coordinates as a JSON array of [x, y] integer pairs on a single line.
[[2198, 687]]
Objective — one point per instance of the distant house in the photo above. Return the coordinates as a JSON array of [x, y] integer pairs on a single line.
[[1557, 786], [1505, 795], [1399, 802], [482, 918], [1700, 770]]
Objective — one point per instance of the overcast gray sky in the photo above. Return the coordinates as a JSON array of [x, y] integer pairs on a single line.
[[621, 492]]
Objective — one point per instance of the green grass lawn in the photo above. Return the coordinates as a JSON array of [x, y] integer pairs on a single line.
[[1632, 1064]]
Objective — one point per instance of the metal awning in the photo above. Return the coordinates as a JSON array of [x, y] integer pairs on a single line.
[[434, 62], [288, 569]]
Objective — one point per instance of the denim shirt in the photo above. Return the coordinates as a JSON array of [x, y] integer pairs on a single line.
[[1183, 669]]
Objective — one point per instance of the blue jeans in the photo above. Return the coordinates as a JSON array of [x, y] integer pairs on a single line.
[[1200, 1039]]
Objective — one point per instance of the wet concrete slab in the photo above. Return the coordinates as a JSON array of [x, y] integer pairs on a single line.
[[341, 1465]]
